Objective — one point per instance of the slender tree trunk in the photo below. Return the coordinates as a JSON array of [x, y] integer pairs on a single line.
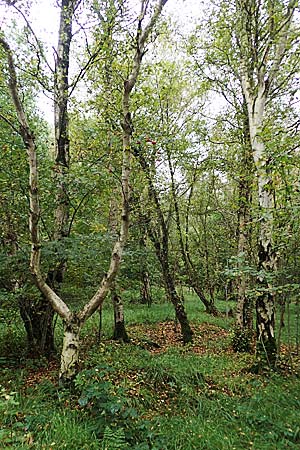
[[190, 271], [162, 251], [181, 316], [244, 309], [145, 287], [160, 239], [120, 333]]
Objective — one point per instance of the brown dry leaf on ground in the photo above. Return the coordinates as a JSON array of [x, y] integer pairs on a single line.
[[163, 335], [35, 376], [158, 338]]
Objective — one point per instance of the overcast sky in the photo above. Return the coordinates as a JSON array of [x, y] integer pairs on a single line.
[[44, 15], [44, 19]]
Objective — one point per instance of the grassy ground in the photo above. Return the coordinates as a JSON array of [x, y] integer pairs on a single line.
[[152, 393]]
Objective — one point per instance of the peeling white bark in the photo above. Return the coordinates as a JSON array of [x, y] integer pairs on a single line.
[[70, 352], [258, 74]]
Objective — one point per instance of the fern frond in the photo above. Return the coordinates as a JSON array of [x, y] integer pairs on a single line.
[[113, 439]]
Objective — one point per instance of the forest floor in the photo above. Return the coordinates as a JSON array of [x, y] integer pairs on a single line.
[[153, 393]]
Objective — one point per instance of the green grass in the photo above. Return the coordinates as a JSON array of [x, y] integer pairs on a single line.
[[199, 396]]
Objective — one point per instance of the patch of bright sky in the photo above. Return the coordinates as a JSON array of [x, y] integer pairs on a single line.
[[44, 19]]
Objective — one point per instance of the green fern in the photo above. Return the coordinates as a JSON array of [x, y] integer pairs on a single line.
[[113, 439]]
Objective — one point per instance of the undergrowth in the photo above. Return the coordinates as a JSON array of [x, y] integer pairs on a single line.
[[143, 397]]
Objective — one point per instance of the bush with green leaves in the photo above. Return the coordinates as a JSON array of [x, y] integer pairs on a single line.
[[116, 422]]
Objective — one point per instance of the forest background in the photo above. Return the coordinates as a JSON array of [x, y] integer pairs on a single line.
[[168, 180]]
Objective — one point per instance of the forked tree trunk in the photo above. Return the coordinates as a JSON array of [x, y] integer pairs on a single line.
[[74, 322]]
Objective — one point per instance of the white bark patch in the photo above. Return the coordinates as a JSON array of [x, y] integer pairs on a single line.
[[261, 329], [69, 355], [269, 309]]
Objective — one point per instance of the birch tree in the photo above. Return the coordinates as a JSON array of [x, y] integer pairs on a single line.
[[215, 63], [74, 321], [39, 314], [265, 34], [250, 58]]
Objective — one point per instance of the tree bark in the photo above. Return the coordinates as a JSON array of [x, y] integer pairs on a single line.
[[70, 351], [181, 316], [210, 307], [145, 286], [120, 333], [74, 322], [145, 289], [259, 69], [160, 239]]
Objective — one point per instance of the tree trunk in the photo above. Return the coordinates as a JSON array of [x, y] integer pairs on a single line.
[[120, 333], [190, 271], [70, 351], [266, 347], [145, 289], [210, 307], [181, 316], [37, 318], [265, 306], [160, 239]]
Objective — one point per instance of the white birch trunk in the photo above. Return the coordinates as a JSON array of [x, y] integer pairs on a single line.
[[70, 352], [265, 307]]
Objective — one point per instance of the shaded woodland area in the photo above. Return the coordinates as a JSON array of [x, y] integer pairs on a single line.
[[149, 269]]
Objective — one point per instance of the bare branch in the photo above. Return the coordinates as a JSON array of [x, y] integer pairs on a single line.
[[9, 123]]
